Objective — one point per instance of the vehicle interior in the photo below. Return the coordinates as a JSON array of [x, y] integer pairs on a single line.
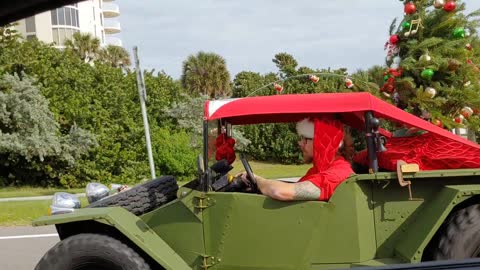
[[380, 143], [217, 178]]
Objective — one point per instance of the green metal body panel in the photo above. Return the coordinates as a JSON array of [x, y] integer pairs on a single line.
[[423, 226], [246, 231], [180, 226], [369, 221], [404, 227], [128, 224]]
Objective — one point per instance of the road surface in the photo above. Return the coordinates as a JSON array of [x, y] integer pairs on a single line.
[[22, 247]]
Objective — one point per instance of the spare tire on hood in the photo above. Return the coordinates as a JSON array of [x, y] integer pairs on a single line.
[[143, 198]]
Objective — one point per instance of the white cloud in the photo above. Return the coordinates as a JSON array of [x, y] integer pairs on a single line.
[[248, 33]]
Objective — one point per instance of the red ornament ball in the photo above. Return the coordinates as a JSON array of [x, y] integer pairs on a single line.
[[466, 112], [394, 39], [349, 84], [313, 78], [469, 47], [459, 119], [410, 8], [278, 87], [450, 6]]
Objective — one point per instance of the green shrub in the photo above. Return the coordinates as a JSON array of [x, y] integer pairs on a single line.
[[174, 154]]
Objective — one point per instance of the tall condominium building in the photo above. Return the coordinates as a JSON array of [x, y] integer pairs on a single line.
[[58, 25]]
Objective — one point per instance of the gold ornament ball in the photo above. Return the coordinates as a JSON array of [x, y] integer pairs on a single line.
[[426, 58], [431, 92], [453, 64], [439, 4]]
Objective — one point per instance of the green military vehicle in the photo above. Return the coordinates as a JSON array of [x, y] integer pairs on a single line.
[[413, 198]]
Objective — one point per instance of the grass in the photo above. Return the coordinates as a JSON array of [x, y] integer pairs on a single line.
[[271, 170], [21, 213], [267, 170], [11, 192]]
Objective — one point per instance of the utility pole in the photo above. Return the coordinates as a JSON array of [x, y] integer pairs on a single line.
[[143, 99]]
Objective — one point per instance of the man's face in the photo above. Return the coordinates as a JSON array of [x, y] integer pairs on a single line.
[[306, 145]]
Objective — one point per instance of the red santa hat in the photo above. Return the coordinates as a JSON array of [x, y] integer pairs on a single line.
[[306, 129]]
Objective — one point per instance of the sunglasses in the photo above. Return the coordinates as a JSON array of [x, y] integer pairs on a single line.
[[304, 139]]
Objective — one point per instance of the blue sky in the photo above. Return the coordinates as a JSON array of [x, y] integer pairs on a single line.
[[248, 33]]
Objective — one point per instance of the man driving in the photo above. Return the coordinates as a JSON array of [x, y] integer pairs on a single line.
[[323, 143]]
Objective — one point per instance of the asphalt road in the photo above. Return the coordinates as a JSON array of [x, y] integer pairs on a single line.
[[22, 247]]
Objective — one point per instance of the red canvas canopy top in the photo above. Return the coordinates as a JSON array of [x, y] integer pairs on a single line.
[[438, 145], [350, 107]]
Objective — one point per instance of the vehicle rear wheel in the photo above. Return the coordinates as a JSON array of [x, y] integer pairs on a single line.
[[143, 198], [458, 237], [91, 251]]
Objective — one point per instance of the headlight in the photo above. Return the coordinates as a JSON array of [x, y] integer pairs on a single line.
[[96, 191], [63, 202]]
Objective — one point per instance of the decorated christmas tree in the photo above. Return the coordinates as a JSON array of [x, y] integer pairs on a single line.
[[433, 63]]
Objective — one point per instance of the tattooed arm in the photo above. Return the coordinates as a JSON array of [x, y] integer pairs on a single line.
[[303, 191]]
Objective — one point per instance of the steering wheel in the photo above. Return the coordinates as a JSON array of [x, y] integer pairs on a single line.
[[250, 175]]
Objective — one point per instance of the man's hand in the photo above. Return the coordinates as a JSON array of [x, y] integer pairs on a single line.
[[244, 177], [303, 191]]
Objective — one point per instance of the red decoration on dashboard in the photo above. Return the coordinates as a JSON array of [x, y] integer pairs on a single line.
[[225, 149]]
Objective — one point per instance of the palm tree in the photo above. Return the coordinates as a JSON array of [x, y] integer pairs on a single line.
[[286, 63], [115, 56], [206, 73], [84, 45]]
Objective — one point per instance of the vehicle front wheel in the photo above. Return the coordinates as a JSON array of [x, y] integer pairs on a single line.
[[91, 251]]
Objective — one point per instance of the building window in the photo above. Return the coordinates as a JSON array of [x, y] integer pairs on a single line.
[[30, 24], [54, 17], [31, 37], [62, 34], [61, 16], [68, 16], [101, 19], [65, 16], [75, 17], [55, 37], [103, 37]]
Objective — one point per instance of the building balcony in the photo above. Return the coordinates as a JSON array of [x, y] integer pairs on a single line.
[[114, 41], [110, 10], [112, 27]]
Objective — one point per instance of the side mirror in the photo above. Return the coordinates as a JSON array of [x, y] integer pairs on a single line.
[[379, 140], [96, 191], [63, 203]]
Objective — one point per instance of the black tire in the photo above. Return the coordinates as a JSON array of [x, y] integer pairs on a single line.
[[458, 237], [143, 198], [91, 251]]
